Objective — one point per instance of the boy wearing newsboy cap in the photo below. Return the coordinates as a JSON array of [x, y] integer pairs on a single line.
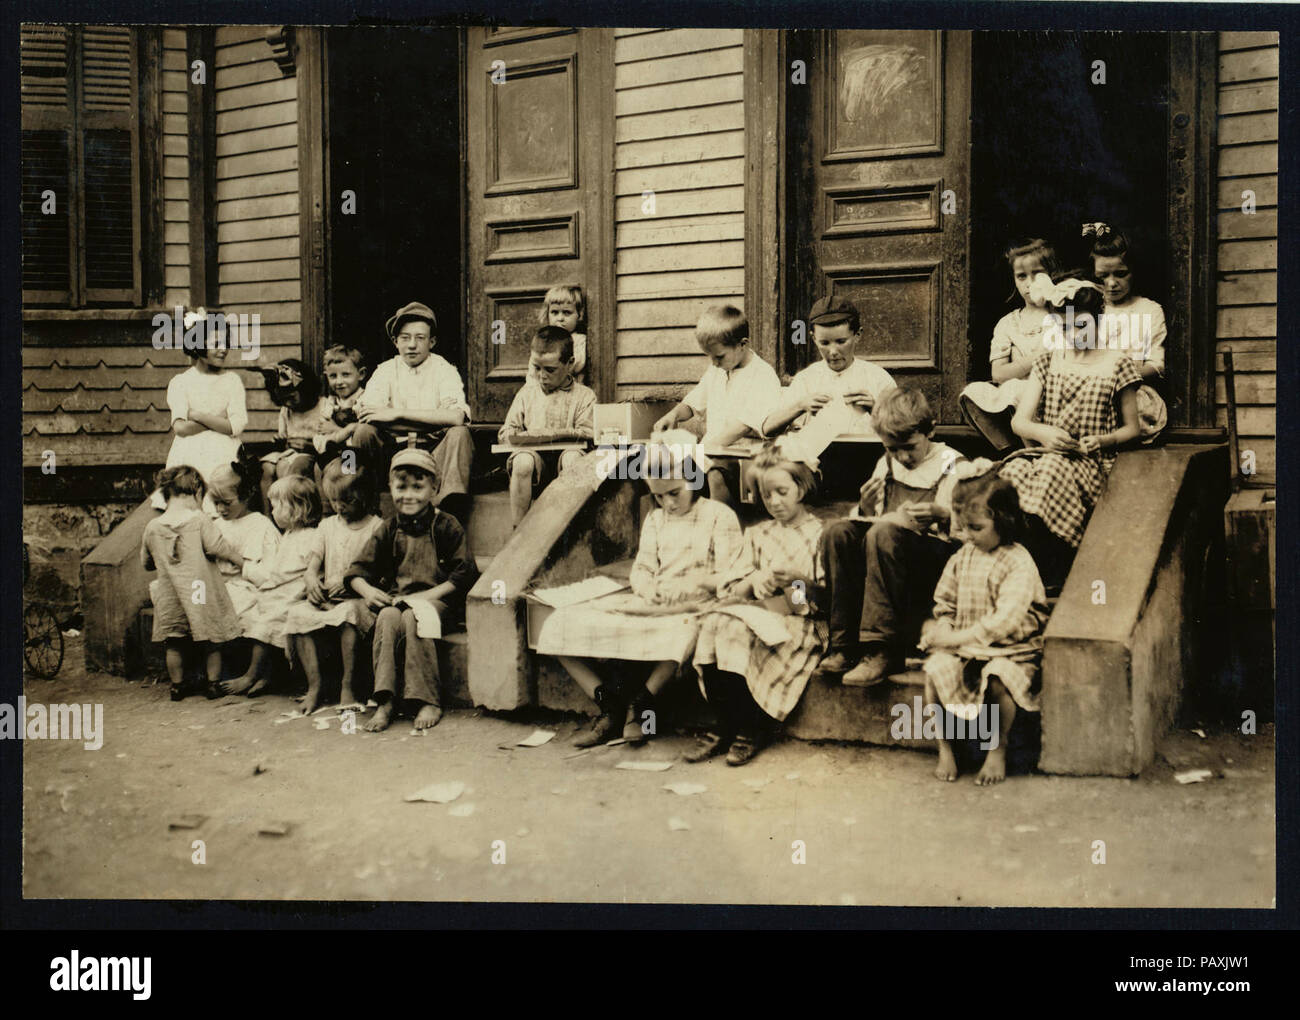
[[419, 391]]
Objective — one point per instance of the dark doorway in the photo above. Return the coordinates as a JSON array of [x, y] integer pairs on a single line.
[[393, 102], [1052, 151]]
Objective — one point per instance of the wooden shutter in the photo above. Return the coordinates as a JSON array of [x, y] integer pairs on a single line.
[[81, 140], [47, 152], [110, 212]]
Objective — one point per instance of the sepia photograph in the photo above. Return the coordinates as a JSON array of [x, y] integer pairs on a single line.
[[796, 466]]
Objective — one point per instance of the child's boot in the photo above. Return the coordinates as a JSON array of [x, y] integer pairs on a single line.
[[604, 725], [875, 665], [634, 727]]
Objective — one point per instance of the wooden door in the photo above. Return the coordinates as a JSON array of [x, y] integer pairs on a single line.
[[882, 199], [538, 176]]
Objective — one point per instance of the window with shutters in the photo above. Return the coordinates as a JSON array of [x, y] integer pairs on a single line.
[[81, 165]]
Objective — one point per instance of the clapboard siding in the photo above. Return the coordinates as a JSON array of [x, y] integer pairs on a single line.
[[258, 265], [679, 133], [176, 184], [1246, 261]]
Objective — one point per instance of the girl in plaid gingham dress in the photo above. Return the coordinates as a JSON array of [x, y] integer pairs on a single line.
[[688, 545], [985, 639], [754, 669], [1079, 406]]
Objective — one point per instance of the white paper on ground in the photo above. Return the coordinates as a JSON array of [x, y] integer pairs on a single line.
[[645, 766], [438, 793], [685, 789], [578, 591], [536, 739], [678, 825]]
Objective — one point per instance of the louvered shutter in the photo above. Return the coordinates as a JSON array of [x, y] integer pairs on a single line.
[[81, 140], [47, 153], [110, 167]]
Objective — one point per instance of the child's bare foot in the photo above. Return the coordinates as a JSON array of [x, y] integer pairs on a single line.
[[947, 767], [382, 717], [995, 768], [427, 717], [239, 685], [259, 687], [348, 700], [310, 700]]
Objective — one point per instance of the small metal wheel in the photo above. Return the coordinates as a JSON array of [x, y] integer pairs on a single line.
[[42, 641]]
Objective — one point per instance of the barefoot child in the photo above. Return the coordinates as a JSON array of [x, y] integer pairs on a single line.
[[736, 393], [985, 640], [295, 507], [331, 614], [752, 683], [686, 544], [189, 598], [551, 407], [420, 554]]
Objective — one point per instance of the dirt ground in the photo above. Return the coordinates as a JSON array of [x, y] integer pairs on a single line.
[[875, 826]]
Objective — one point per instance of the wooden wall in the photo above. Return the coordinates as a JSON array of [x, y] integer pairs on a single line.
[[679, 116], [1247, 243], [95, 393], [257, 202]]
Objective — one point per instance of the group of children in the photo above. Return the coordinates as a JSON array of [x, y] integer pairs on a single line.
[[941, 554]]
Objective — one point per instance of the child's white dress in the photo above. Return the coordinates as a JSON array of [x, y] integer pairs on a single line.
[[1000, 594], [675, 551], [256, 539], [301, 427], [209, 393], [338, 544], [280, 586], [1018, 336], [776, 674], [1136, 327]]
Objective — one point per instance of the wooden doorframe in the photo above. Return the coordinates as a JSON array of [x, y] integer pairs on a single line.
[[602, 351], [1193, 200], [766, 243], [313, 185]]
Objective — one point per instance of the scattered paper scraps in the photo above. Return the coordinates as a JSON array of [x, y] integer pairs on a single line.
[[645, 766], [1193, 776], [536, 739], [678, 825], [438, 793], [683, 789], [187, 821], [274, 829]]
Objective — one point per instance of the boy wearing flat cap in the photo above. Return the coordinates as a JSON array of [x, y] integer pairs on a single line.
[[422, 392], [838, 375], [419, 555]]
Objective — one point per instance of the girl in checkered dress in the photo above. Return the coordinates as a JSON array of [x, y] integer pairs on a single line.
[[1079, 407], [985, 639], [754, 671], [687, 547]]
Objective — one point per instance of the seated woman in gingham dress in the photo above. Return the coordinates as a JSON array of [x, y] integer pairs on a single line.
[[1079, 406]]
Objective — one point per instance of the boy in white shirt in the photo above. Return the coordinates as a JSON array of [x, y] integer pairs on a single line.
[[839, 374], [418, 391], [735, 394]]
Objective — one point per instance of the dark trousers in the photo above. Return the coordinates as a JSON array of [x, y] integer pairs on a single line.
[[880, 582], [736, 710]]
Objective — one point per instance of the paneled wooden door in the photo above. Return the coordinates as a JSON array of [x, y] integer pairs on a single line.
[[539, 127], [882, 196]]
